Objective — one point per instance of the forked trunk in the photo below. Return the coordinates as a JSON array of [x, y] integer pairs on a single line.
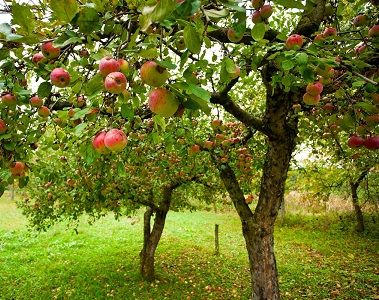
[[152, 236]]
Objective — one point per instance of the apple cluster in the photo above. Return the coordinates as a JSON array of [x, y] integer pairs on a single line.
[[114, 140], [371, 143], [263, 11], [17, 169], [161, 101], [113, 71]]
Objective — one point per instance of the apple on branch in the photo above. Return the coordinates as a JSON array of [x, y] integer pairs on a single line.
[[60, 77], [163, 102], [153, 74], [16, 167], [115, 140], [294, 41], [98, 143], [36, 101], [108, 65], [115, 82], [233, 37], [49, 51], [8, 100], [3, 126]]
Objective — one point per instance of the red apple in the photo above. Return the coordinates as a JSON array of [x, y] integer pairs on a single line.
[[193, 149], [3, 126], [257, 3], [311, 100], [372, 121], [108, 65], [43, 111], [318, 38], [37, 58], [16, 167], [328, 107], [256, 17], [235, 74], [152, 74], [49, 51], [360, 20], [115, 82], [124, 66], [355, 142], [330, 32], [9, 100], [163, 102], [372, 143], [36, 101], [360, 49], [294, 41], [232, 36], [314, 89], [115, 140], [325, 71], [374, 31], [208, 145], [60, 77], [216, 124], [266, 11], [98, 143]]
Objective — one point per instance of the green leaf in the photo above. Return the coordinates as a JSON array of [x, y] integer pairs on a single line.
[[258, 31], [166, 64], [121, 169], [287, 65], [98, 5], [301, 58], [90, 154], [187, 8], [291, 3], [88, 20], [95, 84], [307, 73], [22, 15], [127, 112], [192, 39], [66, 39], [158, 120], [64, 11], [217, 14], [156, 13], [5, 29], [44, 89], [371, 109], [5, 174], [199, 92], [227, 67], [79, 128]]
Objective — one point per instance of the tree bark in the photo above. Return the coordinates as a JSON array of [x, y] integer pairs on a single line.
[[357, 208], [258, 227], [152, 236]]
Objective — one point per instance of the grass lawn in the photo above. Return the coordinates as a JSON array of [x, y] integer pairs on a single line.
[[317, 257]]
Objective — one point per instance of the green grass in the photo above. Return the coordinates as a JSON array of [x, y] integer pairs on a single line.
[[317, 258]]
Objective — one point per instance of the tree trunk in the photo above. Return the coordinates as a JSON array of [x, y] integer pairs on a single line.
[[151, 237], [258, 227], [357, 208]]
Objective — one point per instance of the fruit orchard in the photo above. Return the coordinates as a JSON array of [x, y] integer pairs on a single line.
[[112, 105]]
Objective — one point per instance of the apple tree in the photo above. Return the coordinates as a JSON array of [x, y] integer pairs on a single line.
[[201, 55]]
